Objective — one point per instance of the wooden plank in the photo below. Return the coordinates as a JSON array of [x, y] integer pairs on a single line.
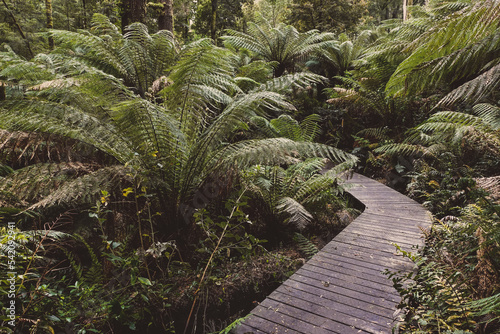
[[321, 291], [355, 261], [260, 324], [372, 225], [383, 235], [376, 278], [330, 261], [421, 218], [366, 241], [343, 288], [326, 297], [365, 254], [341, 314], [352, 284], [401, 223]]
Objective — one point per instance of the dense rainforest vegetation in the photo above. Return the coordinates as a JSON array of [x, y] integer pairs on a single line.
[[165, 165]]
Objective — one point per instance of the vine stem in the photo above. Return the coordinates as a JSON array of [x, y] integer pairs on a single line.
[[235, 207]]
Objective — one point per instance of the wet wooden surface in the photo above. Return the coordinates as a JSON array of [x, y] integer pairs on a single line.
[[342, 289]]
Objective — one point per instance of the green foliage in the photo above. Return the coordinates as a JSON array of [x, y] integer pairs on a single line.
[[176, 146], [305, 245], [292, 195], [229, 16], [459, 53], [336, 16], [226, 235], [136, 56], [286, 126], [467, 138], [443, 192], [282, 44], [433, 298], [458, 267], [80, 296]]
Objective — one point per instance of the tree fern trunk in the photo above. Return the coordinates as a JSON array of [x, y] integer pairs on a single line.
[[166, 18]]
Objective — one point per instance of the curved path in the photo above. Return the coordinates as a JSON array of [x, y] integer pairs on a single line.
[[342, 289]]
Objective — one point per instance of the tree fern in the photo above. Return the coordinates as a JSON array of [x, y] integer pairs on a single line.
[[450, 130], [290, 193], [282, 44], [458, 48], [137, 57], [173, 145]]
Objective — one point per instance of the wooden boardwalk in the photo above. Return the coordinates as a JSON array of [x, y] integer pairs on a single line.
[[342, 289]]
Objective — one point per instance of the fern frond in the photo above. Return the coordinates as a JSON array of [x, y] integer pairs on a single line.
[[298, 215], [474, 90], [94, 274], [285, 83], [311, 127], [489, 113], [282, 44], [87, 188], [375, 133], [275, 151], [315, 189], [403, 149], [465, 41], [305, 245], [34, 182], [75, 264], [287, 127]]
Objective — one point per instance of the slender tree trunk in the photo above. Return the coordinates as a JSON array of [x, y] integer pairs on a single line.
[[50, 21], [19, 29], [133, 11], [213, 21], [84, 4], [2, 91], [166, 18], [405, 9]]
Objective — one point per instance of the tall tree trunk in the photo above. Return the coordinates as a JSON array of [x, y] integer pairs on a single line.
[[405, 9], [213, 21], [84, 4], [166, 18], [50, 21], [133, 11], [19, 29]]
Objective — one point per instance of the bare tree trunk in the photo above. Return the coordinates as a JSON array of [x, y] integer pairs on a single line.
[[19, 29], [405, 9], [133, 11], [166, 18], [213, 22], [50, 21]]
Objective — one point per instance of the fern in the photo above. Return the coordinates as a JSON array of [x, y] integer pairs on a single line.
[[305, 245], [94, 274], [457, 48], [291, 193], [174, 147], [281, 44]]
